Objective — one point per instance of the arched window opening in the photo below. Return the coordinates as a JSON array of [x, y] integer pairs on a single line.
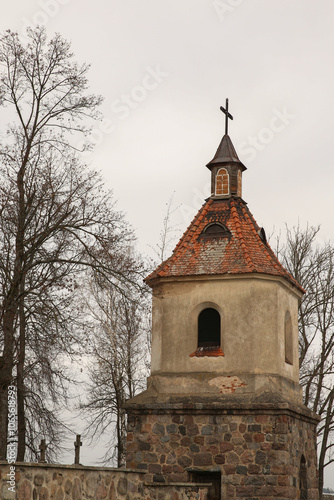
[[215, 230], [209, 328], [288, 338], [261, 232], [222, 182], [302, 479]]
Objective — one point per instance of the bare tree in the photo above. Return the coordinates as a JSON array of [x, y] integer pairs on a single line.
[[119, 329], [167, 234], [313, 267], [56, 220]]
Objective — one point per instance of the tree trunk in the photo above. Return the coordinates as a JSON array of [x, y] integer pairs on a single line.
[[21, 428], [10, 306], [6, 372], [3, 415], [322, 455], [121, 438]]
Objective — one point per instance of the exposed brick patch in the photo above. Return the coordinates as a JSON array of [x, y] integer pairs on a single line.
[[228, 384], [207, 351]]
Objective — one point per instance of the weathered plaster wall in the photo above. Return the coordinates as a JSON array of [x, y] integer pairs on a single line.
[[252, 313], [52, 482]]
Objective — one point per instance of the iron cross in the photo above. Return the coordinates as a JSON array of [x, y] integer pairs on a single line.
[[227, 116]]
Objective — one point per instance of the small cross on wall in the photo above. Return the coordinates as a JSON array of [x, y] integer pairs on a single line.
[[42, 449], [227, 116], [77, 444]]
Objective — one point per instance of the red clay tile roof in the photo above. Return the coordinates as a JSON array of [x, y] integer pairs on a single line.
[[243, 251]]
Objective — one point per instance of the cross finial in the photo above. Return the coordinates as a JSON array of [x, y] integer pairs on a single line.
[[227, 116]]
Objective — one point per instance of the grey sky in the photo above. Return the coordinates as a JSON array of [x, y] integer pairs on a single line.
[[164, 69]]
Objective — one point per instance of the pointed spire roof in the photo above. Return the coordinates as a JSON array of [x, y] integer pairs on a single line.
[[222, 239], [225, 153]]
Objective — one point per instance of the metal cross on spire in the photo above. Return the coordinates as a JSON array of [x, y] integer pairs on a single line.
[[227, 116]]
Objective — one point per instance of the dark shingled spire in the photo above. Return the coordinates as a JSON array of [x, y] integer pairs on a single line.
[[225, 153]]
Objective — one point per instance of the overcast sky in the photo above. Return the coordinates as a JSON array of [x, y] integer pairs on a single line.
[[165, 67]]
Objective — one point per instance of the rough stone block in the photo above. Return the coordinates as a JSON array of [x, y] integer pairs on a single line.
[[202, 459], [158, 429], [206, 430]]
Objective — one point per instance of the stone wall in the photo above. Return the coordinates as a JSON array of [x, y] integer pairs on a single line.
[[258, 453], [61, 482]]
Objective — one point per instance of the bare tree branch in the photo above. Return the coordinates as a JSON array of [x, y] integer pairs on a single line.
[[313, 267]]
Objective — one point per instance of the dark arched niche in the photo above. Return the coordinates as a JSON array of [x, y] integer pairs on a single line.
[[288, 338], [303, 479], [209, 328]]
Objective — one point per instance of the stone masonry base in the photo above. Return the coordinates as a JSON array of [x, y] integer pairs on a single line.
[[258, 451]]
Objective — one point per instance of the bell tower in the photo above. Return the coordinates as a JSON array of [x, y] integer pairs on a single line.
[[226, 171], [223, 401], [226, 168]]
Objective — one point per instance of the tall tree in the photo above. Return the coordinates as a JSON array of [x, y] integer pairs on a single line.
[[119, 329], [168, 232], [56, 220], [313, 267]]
